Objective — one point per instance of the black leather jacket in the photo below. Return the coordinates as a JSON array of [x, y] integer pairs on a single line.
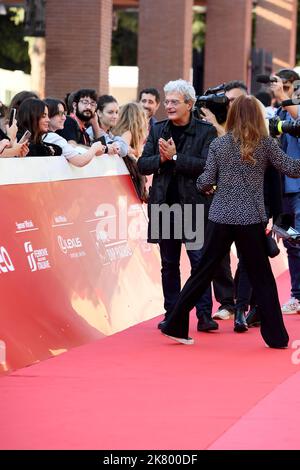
[[191, 159]]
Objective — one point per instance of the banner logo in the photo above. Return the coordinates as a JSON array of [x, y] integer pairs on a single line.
[[6, 264], [71, 246], [37, 259]]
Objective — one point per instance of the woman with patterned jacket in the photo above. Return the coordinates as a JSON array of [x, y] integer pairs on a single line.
[[236, 165]]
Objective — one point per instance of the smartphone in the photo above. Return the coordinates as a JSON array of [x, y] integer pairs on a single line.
[[103, 142], [12, 116], [26, 136]]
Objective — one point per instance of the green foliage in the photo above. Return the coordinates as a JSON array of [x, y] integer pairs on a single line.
[[198, 30], [13, 50], [124, 39]]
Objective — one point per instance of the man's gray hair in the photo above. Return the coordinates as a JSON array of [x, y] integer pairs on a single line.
[[183, 87]]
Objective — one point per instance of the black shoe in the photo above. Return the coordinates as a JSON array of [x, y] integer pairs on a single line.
[[253, 317], [162, 324], [240, 324], [206, 323]]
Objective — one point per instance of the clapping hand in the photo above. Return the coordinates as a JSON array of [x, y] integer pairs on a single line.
[[167, 149]]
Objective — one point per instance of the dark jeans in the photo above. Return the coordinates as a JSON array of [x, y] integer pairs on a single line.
[[170, 251], [291, 205], [250, 241], [224, 285]]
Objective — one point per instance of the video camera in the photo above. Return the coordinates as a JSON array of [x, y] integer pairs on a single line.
[[215, 100], [278, 127]]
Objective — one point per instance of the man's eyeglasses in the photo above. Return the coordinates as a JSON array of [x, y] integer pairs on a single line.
[[173, 102], [93, 104]]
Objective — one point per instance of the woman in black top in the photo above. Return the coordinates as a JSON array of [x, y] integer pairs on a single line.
[[33, 116], [236, 164]]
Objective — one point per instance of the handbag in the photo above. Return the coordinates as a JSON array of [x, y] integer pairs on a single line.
[[272, 247], [139, 180]]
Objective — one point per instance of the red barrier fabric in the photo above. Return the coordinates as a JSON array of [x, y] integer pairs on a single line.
[[74, 263]]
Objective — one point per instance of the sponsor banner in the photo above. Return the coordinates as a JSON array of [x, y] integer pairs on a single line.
[[72, 253], [74, 263], [39, 169]]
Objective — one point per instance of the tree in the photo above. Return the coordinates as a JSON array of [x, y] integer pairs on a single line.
[[198, 30], [14, 49], [124, 38]]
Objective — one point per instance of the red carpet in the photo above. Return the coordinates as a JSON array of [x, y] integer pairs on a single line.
[[138, 390]]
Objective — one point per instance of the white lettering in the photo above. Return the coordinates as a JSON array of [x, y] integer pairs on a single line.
[[66, 244], [5, 261]]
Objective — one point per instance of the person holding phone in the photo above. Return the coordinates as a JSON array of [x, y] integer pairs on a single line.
[[9, 147], [33, 117]]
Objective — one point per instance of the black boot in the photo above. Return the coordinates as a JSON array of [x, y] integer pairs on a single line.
[[240, 324], [162, 323], [206, 323], [253, 317]]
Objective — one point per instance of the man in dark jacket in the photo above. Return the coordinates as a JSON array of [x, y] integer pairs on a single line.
[[175, 153]]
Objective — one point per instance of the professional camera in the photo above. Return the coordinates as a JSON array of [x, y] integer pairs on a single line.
[[278, 127], [215, 100], [283, 228], [267, 79]]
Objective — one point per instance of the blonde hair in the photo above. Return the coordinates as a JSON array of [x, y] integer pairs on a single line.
[[247, 124], [132, 118]]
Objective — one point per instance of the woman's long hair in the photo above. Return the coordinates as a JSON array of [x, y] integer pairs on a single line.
[[29, 114], [18, 99], [247, 124], [132, 118]]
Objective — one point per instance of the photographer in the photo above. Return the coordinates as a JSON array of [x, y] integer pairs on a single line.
[[283, 89], [232, 90]]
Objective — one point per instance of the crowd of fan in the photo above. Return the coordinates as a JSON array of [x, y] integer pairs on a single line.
[[84, 126], [79, 128]]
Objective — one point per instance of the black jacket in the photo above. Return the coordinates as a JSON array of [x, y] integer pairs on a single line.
[[191, 159]]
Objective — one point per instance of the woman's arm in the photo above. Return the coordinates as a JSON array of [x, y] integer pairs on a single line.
[[279, 159], [96, 150], [208, 178], [16, 150]]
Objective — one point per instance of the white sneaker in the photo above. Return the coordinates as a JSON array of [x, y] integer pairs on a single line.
[[222, 314], [181, 340], [291, 306]]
